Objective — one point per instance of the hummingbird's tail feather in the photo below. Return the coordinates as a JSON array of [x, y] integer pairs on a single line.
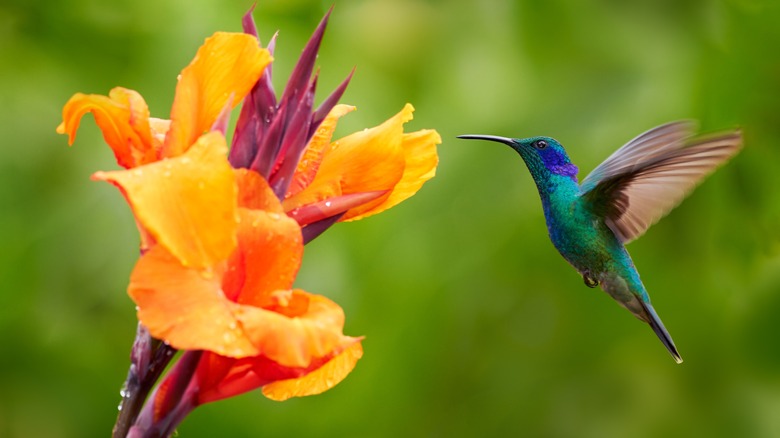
[[660, 331]]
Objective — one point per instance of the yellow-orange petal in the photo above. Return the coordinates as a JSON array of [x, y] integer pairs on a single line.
[[319, 380], [267, 258], [312, 155], [295, 341], [421, 161], [122, 116], [185, 306], [365, 161], [227, 64], [188, 203], [254, 192]]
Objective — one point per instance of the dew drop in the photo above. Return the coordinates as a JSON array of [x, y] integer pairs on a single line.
[[207, 273], [275, 216], [327, 203]]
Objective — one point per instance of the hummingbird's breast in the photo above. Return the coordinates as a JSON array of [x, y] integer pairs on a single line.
[[575, 231]]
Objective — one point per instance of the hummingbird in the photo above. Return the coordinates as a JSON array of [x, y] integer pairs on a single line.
[[590, 222]]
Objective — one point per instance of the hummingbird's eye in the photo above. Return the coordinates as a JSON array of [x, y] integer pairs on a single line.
[[540, 144]]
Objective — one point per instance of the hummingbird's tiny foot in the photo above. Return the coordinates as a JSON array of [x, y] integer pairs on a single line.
[[589, 280]]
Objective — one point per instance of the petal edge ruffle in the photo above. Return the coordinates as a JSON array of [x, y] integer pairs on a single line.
[[319, 380], [123, 118]]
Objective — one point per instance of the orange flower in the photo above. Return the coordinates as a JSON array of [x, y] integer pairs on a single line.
[[222, 237], [202, 223], [220, 256]]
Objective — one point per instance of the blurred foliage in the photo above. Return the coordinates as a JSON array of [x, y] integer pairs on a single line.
[[474, 325]]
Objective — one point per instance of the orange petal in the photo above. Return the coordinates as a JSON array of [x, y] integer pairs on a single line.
[[185, 307], [312, 155], [123, 117], [319, 380], [421, 160], [255, 193], [295, 341], [195, 309], [188, 203], [366, 161], [227, 64], [269, 253]]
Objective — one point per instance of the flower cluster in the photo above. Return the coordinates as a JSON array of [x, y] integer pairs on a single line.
[[222, 232]]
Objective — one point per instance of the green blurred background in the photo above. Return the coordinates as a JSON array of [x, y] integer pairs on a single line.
[[474, 325]]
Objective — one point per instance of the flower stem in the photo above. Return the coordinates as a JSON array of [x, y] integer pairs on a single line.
[[148, 359], [171, 401]]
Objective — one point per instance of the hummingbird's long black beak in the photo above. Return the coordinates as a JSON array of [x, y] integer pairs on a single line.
[[496, 138]]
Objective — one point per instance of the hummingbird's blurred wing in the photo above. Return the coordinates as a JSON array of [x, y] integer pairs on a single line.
[[647, 177]]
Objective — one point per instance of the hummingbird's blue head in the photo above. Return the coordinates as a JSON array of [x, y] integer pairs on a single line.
[[544, 156]]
